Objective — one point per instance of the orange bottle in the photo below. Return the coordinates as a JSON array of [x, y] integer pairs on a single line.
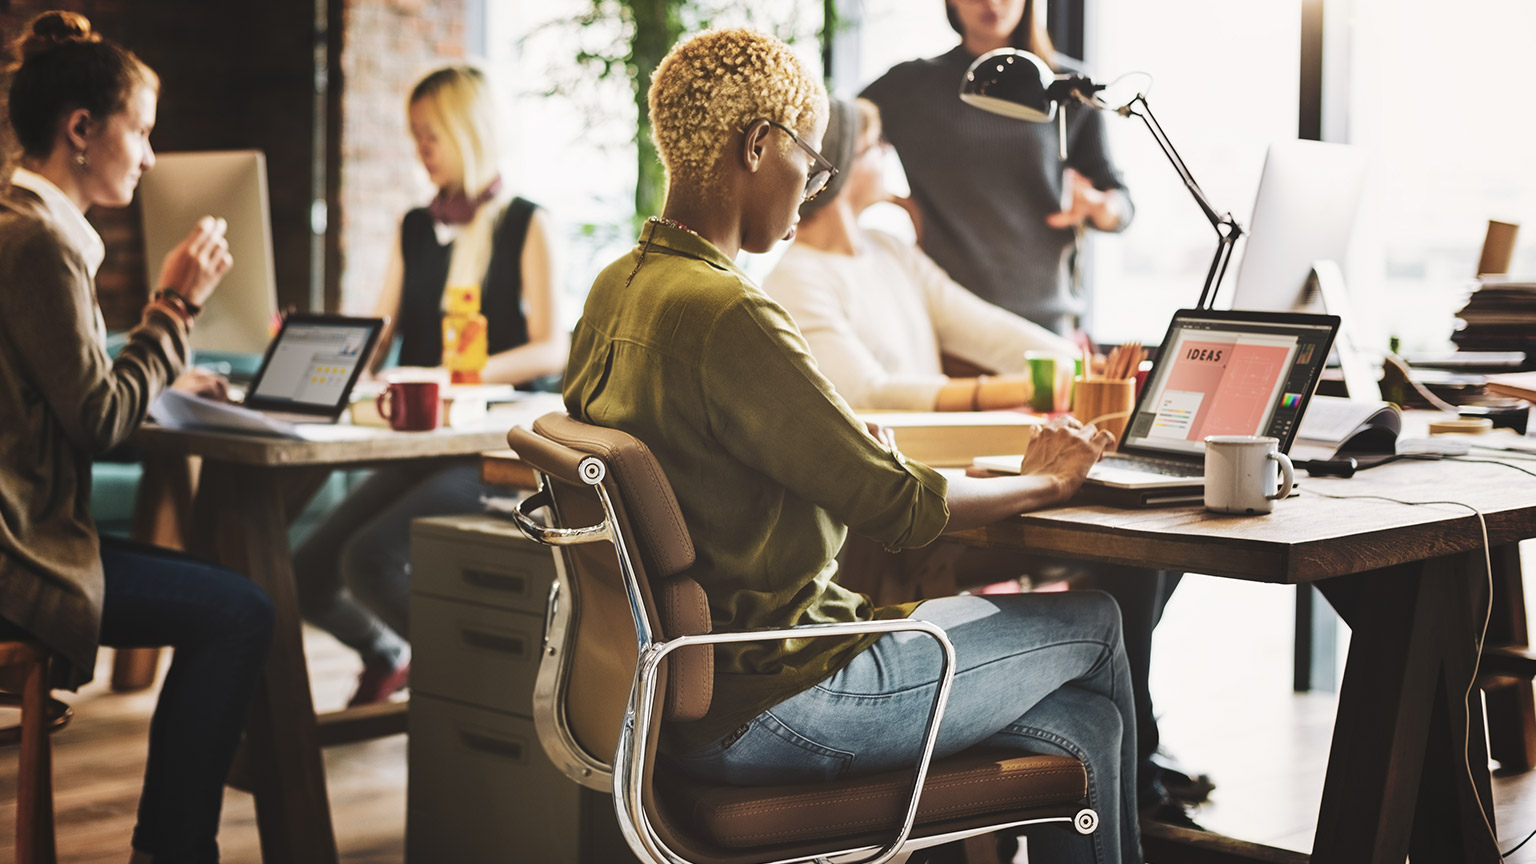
[[465, 348]]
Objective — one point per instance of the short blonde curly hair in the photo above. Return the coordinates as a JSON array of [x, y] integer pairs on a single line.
[[711, 85]]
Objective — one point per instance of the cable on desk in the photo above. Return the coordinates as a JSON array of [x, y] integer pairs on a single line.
[[1477, 661], [1518, 845], [1493, 462]]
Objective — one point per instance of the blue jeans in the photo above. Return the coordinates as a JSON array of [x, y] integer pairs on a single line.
[[353, 573], [220, 625], [1042, 673]]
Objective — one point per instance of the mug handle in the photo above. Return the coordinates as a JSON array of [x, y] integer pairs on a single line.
[[386, 405], [1287, 476]]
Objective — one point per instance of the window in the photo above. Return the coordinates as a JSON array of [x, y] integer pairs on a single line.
[[1220, 101], [571, 133], [1435, 94]]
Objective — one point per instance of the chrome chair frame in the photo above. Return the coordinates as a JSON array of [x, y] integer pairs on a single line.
[[624, 774]]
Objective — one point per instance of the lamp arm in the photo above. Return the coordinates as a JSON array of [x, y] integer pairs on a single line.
[[1226, 227]]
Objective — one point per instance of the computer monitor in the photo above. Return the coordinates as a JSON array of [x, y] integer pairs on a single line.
[[1305, 212], [232, 185], [1303, 216]]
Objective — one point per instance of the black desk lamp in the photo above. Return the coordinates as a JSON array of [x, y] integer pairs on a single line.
[[1018, 84]]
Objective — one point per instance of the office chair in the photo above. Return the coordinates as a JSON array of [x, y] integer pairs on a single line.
[[628, 644], [24, 685]]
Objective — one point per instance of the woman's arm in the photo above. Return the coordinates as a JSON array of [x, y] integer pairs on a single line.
[[1055, 464], [548, 344], [388, 304], [47, 313]]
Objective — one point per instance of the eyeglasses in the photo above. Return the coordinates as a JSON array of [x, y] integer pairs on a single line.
[[879, 144], [823, 171]]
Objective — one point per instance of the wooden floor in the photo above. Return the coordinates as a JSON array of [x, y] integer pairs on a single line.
[[1221, 679]]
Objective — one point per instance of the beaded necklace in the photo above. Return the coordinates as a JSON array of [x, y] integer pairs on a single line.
[[657, 220]]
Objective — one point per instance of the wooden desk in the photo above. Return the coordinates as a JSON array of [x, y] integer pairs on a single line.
[[1411, 583], [249, 490]]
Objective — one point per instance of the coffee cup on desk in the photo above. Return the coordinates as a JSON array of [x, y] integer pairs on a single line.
[[1246, 473], [412, 405]]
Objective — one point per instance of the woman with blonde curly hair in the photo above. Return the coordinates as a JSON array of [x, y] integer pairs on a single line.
[[679, 348]]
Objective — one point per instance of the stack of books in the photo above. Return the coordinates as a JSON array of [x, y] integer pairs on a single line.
[[1499, 316]]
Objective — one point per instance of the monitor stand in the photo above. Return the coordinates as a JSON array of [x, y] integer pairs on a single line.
[[1326, 283]]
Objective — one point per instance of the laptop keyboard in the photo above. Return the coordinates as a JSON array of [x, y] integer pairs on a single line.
[[1162, 467]]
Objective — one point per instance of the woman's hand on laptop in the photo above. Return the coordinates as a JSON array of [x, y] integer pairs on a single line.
[[205, 383], [194, 266], [1063, 450]]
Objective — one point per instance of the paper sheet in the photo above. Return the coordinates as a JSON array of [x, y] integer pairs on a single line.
[[177, 410]]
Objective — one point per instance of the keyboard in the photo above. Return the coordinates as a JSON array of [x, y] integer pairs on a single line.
[[1149, 465]]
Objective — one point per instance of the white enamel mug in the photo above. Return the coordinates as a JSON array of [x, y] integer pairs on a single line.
[[1241, 473]]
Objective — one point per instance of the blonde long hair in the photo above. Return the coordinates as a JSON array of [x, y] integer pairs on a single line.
[[461, 106]]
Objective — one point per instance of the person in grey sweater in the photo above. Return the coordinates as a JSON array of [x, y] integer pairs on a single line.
[[996, 207]]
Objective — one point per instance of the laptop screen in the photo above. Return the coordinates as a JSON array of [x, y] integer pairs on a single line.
[[1229, 373], [312, 364]]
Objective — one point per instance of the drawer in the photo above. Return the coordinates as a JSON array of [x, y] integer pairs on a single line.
[[476, 654], [481, 791], [482, 560]]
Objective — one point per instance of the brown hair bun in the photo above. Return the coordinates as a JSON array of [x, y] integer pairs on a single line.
[[64, 65], [52, 29]]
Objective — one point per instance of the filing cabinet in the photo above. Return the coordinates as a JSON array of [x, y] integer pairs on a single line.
[[480, 789]]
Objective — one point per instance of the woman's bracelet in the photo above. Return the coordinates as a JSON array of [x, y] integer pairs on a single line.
[[188, 309], [976, 394]]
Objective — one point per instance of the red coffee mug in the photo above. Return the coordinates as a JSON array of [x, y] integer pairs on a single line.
[[411, 406]]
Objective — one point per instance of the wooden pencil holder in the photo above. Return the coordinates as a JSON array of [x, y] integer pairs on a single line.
[[1106, 403]]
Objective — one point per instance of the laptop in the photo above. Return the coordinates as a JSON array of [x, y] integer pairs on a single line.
[[1232, 372], [306, 376]]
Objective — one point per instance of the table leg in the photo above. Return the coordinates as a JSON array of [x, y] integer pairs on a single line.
[[1510, 701], [242, 522], [1397, 777]]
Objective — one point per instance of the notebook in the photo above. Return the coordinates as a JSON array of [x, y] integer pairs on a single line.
[[306, 376], [1219, 373]]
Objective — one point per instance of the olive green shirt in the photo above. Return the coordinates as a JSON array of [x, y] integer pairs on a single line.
[[679, 348]]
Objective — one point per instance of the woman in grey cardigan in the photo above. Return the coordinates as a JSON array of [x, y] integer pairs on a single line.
[[81, 109]]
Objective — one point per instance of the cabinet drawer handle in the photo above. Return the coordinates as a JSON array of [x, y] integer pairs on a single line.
[[500, 643], [492, 744], [493, 581]]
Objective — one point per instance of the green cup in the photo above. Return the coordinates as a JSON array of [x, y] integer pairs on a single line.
[[1051, 377]]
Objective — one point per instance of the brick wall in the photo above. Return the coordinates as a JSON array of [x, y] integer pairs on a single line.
[[388, 46], [243, 75]]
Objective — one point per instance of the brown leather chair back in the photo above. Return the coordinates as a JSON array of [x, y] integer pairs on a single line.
[[600, 645]]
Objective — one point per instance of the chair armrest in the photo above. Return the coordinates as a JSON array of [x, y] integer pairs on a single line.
[[538, 532], [630, 762]]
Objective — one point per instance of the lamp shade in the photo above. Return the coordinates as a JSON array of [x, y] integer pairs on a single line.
[[1012, 83]]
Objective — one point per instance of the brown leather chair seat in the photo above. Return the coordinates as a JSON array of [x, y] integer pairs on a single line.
[[869, 808]]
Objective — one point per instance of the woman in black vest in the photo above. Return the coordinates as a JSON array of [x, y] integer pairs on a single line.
[[354, 570]]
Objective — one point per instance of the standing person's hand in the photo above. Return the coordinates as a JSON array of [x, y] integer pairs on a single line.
[[194, 266], [1064, 450], [1083, 202]]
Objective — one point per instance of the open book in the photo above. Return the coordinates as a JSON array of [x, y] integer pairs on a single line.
[[1343, 426]]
